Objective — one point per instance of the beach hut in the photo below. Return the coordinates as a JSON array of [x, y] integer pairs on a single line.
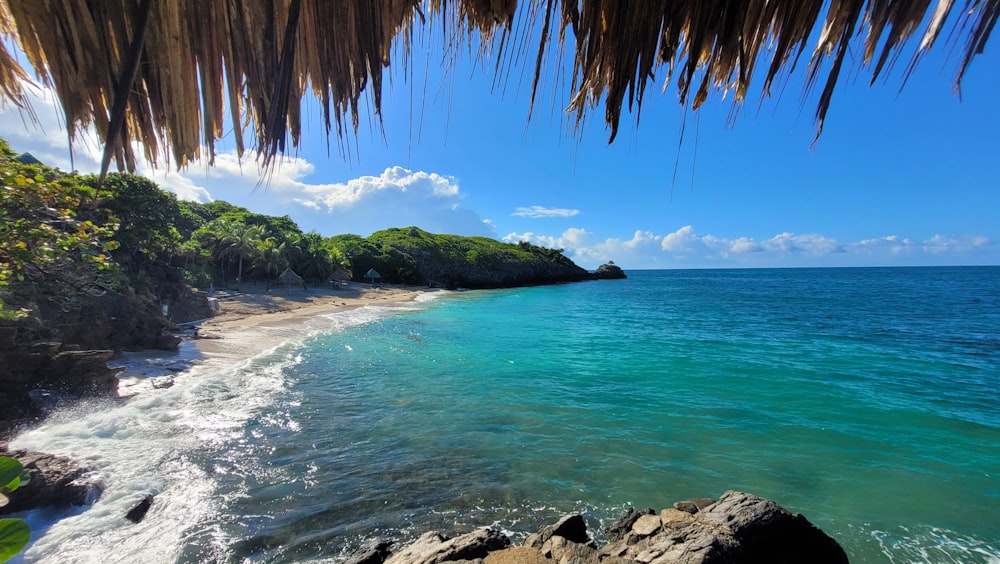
[[372, 274], [339, 277], [288, 276]]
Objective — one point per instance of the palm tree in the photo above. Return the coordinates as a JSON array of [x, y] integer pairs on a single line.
[[316, 264], [270, 258], [240, 240]]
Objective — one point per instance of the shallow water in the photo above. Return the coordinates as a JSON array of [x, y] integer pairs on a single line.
[[865, 399]]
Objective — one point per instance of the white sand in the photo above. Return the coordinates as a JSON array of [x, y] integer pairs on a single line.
[[264, 319], [252, 322]]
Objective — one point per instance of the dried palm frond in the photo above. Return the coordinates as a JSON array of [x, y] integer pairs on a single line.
[[172, 83]]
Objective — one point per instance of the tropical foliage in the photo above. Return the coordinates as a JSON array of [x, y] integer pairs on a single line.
[[67, 230], [51, 229], [59, 229], [14, 533], [404, 254]]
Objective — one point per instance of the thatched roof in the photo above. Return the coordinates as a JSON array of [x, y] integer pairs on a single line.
[[167, 72], [340, 276], [288, 276]]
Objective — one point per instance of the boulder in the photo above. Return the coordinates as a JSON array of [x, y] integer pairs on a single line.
[[433, 547], [620, 528], [138, 513], [54, 481], [740, 527], [372, 552], [695, 505], [767, 531], [571, 527]]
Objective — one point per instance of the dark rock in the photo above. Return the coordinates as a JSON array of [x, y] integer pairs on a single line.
[[619, 528], [767, 531], [64, 344], [372, 552], [54, 481], [571, 527], [138, 513], [609, 271], [433, 548], [694, 505]]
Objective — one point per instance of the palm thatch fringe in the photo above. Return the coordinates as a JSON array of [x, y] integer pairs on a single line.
[[169, 85]]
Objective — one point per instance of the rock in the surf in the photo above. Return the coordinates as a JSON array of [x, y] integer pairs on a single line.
[[53, 481], [138, 513], [372, 552]]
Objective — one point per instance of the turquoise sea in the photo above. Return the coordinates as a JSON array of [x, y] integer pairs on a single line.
[[866, 399]]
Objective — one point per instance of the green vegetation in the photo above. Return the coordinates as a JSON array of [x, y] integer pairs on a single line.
[[14, 533], [51, 230], [414, 256], [59, 232]]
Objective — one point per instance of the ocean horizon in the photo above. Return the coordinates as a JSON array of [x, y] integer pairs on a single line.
[[864, 398]]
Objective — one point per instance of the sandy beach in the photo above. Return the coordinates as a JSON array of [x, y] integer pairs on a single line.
[[255, 320], [265, 318]]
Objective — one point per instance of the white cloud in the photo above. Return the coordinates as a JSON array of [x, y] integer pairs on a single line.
[[397, 197], [812, 244], [685, 247], [680, 241], [536, 212], [940, 244]]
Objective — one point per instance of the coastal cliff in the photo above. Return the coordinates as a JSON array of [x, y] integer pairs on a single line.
[[60, 350]]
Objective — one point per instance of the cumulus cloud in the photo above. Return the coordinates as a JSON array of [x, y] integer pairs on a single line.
[[396, 197], [537, 212]]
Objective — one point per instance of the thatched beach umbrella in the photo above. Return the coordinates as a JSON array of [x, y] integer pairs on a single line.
[[288, 276], [372, 274], [157, 71], [339, 276]]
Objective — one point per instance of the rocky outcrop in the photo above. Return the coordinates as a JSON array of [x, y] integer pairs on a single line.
[[39, 376], [61, 350], [739, 527], [54, 481], [609, 271]]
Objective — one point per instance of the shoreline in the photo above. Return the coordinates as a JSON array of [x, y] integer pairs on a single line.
[[254, 321], [267, 319]]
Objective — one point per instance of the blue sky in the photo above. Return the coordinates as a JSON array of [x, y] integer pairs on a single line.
[[897, 178]]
